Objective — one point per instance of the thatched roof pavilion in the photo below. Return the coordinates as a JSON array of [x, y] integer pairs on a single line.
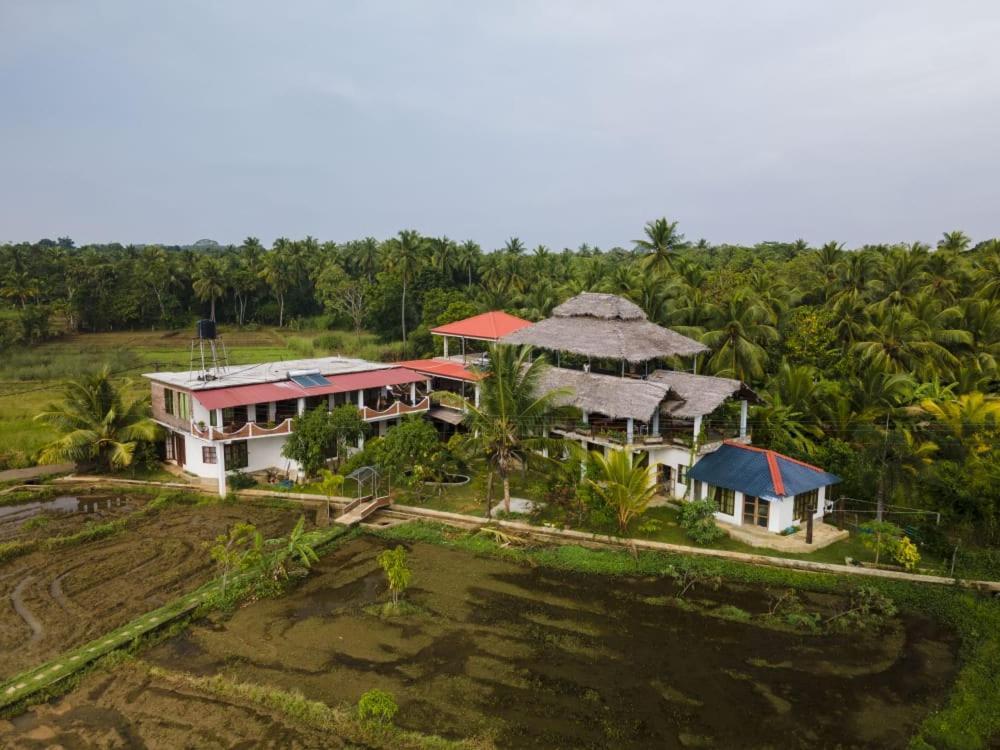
[[605, 326]]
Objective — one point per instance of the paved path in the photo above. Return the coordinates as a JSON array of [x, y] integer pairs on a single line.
[[35, 472]]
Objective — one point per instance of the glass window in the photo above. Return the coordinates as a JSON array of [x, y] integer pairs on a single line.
[[682, 473], [208, 454], [168, 400], [725, 500], [183, 405], [236, 455], [806, 503]]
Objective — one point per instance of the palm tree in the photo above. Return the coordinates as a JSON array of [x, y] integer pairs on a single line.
[[443, 254], [514, 246], [899, 342], [661, 242], [209, 281], [970, 420], [741, 328], [512, 416], [276, 274], [405, 254], [99, 426], [957, 241], [622, 485], [467, 259]]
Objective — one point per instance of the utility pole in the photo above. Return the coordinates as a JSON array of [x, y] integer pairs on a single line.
[[880, 507]]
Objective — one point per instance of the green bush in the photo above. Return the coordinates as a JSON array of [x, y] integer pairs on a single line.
[[240, 480], [698, 521], [377, 706]]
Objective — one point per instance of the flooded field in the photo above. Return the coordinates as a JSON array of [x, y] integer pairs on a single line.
[[532, 657], [54, 600]]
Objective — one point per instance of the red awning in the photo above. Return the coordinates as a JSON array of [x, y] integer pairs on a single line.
[[442, 368], [241, 395]]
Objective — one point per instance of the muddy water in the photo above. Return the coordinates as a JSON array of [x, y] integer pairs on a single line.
[[12, 516], [542, 659]]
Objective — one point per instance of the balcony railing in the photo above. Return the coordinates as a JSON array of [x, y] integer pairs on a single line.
[[395, 410], [241, 432]]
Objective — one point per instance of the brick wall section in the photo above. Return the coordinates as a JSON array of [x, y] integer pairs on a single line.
[[158, 403]]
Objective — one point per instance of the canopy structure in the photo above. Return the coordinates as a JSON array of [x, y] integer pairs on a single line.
[[605, 326], [488, 326], [759, 472], [440, 367]]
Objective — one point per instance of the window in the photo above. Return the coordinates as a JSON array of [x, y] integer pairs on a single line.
[[806, 503], [236, 455], [208, 454], [213, 417], [725, 499], [182, 404], [168, 401], [682, 473]]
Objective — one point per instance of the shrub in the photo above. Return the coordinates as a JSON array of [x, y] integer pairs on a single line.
[[393, 562], [239, 480], [377, 706], [905, 553], [867, 608], [698, 521]]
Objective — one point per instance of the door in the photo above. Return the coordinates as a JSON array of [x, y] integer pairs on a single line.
[[756, 511], [665, 478], [180, 455]]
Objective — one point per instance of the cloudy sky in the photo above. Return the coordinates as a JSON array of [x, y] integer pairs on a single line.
[[559, 122]]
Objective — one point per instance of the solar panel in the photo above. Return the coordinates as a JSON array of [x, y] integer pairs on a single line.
[[310, 380]]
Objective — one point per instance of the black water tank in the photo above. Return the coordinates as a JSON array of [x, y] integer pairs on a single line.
[[205, 329]]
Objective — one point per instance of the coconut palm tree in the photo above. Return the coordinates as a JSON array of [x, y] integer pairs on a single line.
[[467, 260], [209, 281], [661, 242], [100, 427], [623, 485], [514, 246], [738, 334], [275, 272], [898, 342], [970, 420], [405, 254], [957, 241], [513, 413]]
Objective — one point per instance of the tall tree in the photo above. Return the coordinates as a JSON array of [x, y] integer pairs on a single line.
[[209, 281], [406, 254], [661, 242]]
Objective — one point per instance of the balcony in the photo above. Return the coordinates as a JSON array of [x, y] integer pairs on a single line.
[[396, 409], [615, 433], [241, 432]]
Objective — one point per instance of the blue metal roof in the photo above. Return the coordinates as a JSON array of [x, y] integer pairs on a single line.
[[754, 471]]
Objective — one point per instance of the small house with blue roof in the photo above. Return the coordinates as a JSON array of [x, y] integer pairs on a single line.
[[758, 487]]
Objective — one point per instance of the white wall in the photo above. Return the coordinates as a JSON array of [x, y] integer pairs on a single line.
[[264, 453], [199, 413], [194, 464], [672, 456]]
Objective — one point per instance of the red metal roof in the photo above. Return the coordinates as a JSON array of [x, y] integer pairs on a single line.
[[489, 326], [221, 398], [442, 368]]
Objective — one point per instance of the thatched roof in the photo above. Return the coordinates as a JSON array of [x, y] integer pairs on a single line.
[[611, 395], [604, 326], [699, 394], [604, 306]]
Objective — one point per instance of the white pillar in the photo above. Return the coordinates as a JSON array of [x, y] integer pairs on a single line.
[[413, 394], [694, 367], [272, 411], [697, 431], [302, 406], [476, 402], [445, 345], [743, 418], [545, 449], [251, 412], [629, 430], [218, 419], [361, 399], [361, 441], [584, 417], [655, 429], [220, 465]]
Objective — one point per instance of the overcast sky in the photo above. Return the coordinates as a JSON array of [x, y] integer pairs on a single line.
[[558, 122]]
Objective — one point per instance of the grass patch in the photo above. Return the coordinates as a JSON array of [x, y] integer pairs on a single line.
[[341, 721]]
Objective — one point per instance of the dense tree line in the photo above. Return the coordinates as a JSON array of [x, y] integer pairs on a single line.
[[879, 362]]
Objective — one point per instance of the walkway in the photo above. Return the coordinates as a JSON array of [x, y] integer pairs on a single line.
[[35, 472], [357, 511], [823, 536]]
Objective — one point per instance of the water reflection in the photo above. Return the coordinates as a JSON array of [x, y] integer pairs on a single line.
[[61, 504]]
